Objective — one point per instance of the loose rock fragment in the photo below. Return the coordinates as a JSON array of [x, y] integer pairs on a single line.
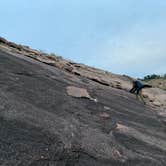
[[106, 108], [78, 92]]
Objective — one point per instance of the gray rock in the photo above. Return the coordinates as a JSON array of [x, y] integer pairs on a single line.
[[42, 125]]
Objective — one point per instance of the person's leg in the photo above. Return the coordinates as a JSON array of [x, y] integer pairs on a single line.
[[140, 94], [132, 90], [137, 92]]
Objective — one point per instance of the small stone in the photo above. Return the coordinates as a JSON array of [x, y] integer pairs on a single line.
[[116, 154], [42, 157], [145, 95], [106, 108], [95, 100]]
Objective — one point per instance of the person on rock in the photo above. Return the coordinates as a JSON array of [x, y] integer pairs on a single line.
[[137, 88]]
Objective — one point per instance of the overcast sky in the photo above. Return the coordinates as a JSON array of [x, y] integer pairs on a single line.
[[122, 36]]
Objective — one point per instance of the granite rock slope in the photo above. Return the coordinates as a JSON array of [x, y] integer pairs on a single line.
[[50, 115]]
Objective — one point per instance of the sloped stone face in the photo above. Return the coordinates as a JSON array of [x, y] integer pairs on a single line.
[[156, 96], [45, 120], [99, 76]]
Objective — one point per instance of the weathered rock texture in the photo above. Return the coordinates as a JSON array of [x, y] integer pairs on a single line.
[[44, 124], [155, 97]]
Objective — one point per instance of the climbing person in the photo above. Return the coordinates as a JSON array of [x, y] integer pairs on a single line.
[[137, 88]]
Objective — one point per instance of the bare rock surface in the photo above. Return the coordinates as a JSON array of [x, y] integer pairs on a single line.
[[99, 76], [42, 125]]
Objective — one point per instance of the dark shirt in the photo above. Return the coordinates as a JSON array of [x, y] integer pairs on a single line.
[[138, 84]]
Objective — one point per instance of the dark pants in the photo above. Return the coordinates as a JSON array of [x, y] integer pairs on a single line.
[[135, 89]]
